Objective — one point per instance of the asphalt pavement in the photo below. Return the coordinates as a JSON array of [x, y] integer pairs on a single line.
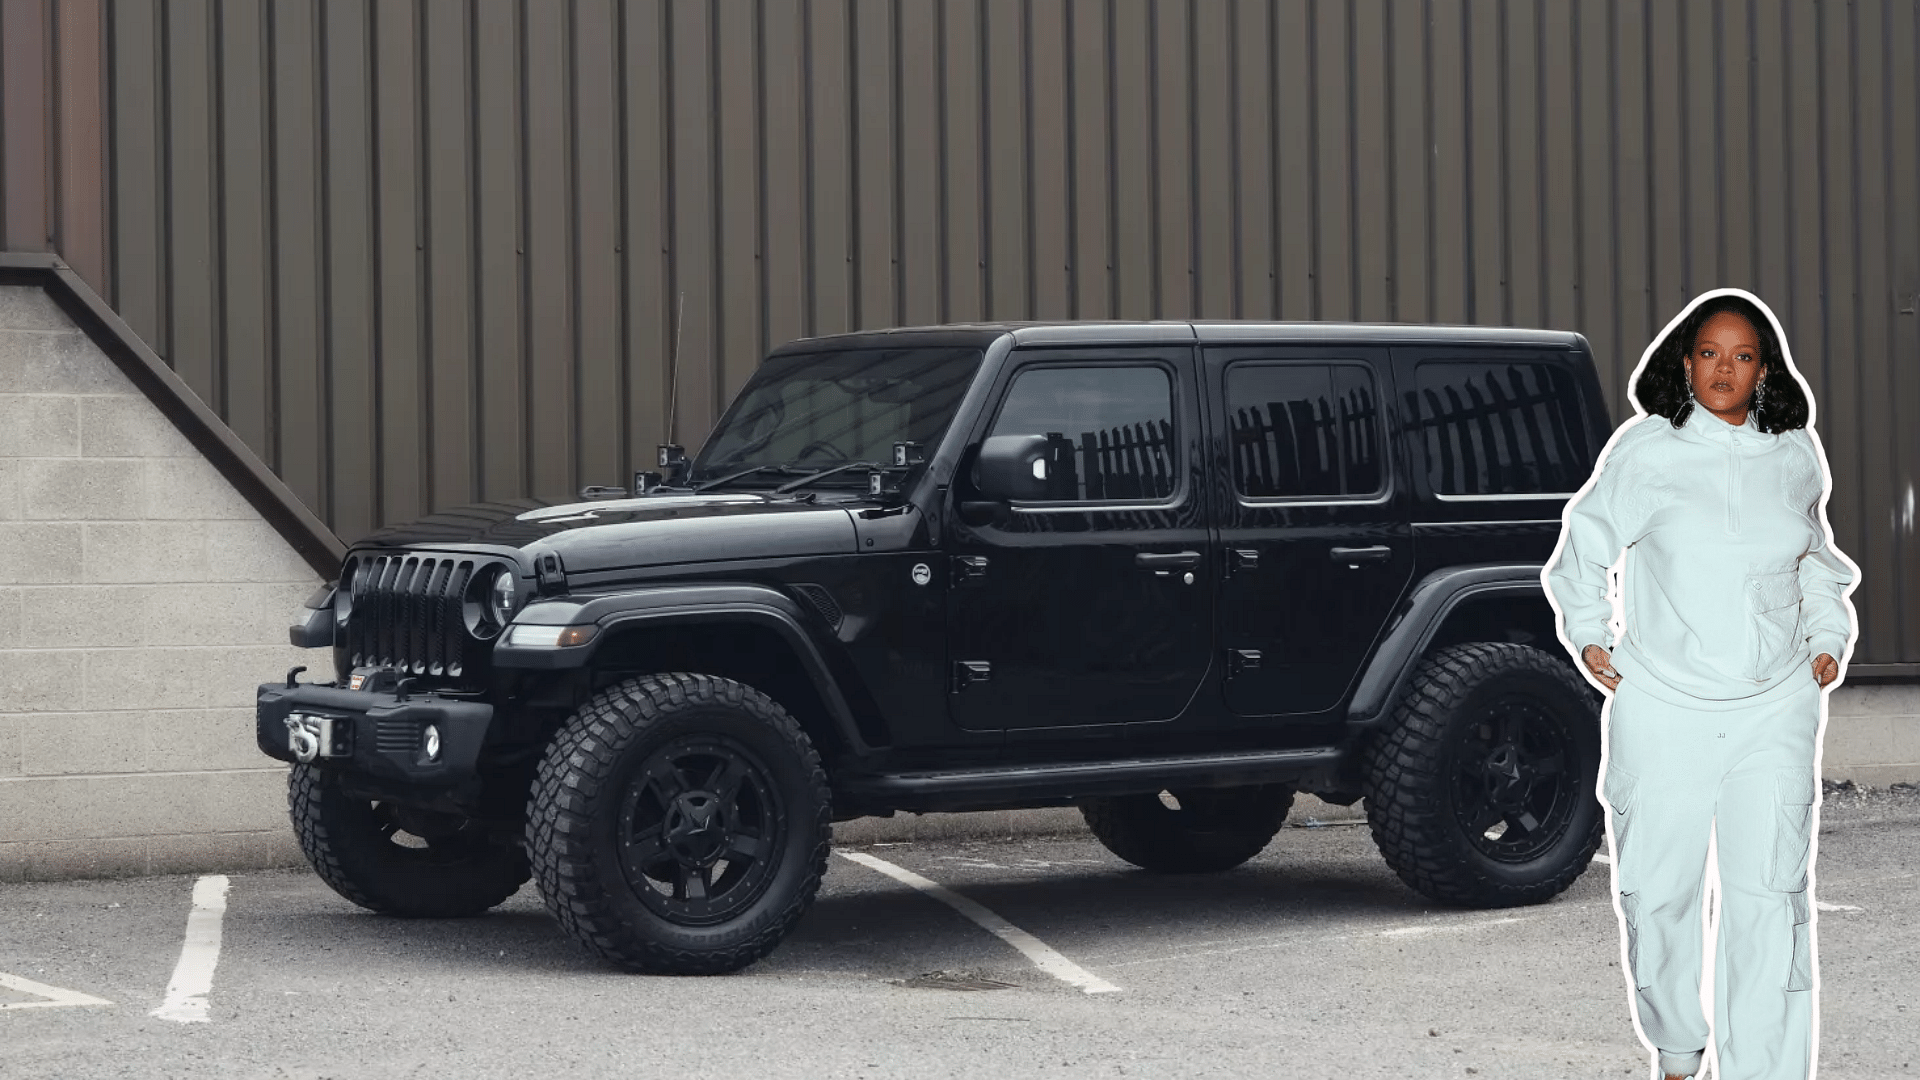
[[1311, 961]]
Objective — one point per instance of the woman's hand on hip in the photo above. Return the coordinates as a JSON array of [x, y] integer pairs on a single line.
[[1826, 668], [1600, 662]]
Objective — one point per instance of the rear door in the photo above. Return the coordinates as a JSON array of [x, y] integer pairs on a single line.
[[1314, 542]]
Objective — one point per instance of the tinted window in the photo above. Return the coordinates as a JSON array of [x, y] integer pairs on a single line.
[[1499, 428], [1304, 429], [1112, 428]]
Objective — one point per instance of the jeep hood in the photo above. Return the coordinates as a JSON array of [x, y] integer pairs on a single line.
[[655, 530]]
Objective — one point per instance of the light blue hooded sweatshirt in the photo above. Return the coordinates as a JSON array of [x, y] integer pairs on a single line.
[[1729, 586]]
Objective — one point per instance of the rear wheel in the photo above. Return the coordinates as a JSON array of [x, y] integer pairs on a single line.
[[680, 824], [397, 860], [1191, 831], [1480, 791]]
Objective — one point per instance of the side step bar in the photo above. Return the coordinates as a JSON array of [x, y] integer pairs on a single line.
[[1050, 785]]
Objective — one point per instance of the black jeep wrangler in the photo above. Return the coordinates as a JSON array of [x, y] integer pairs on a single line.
[[1169, 573]]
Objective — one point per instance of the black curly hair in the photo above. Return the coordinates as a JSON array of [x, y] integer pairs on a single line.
[[1662, 387]]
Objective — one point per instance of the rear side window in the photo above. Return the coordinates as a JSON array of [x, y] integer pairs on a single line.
[[1304, 429], [1111, 426], [1494, 428]]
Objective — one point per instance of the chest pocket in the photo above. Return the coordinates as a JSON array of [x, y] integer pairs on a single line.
[[1773, 620]]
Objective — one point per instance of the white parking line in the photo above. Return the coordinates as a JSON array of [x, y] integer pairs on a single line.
[[55, 997], [193, 976], [1439, 928], [1042, 955], [1232, 946]]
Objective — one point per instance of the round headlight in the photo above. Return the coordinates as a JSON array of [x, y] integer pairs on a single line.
[[432, 743], [504, 598]]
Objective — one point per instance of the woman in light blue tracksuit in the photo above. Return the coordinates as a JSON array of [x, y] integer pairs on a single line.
[[1735, 617]]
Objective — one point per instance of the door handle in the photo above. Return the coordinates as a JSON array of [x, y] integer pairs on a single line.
[[1165, 561], [1356, 556], [968, 672], [969, 569]]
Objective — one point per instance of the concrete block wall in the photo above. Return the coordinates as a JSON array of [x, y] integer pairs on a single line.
[[141, 599], [1873, 734]]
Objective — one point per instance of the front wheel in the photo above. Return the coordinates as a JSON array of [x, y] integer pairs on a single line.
[[680, 824], [1480, 789], [397, 860], [1192, 831]]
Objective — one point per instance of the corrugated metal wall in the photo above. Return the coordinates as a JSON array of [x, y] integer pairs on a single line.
[[53, 131], [422, 253]]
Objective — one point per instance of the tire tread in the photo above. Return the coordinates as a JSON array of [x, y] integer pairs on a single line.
[[560, 827], [1404, 778]]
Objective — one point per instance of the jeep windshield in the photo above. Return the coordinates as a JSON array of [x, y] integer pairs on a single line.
[[806, 413]]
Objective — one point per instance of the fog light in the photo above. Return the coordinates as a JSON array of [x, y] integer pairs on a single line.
[[433, 743]]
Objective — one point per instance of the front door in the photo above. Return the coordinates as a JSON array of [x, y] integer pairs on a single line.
[[1314, 540], [1093, 606]]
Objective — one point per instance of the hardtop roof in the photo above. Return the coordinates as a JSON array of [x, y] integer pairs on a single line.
[[1203, 331]]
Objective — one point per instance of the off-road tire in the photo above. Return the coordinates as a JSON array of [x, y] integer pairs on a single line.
[[587, 784], [1214, 829], [1421, 762], [351, 842]]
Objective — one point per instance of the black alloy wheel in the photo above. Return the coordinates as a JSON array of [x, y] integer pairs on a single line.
[[696, 826], [680, 824], [1480, 786], [1513, 796]]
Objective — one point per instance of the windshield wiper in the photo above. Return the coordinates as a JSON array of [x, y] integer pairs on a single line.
[[824, 473], [784, 469]]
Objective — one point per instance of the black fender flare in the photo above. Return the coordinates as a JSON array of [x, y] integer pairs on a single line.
[[1421, 615], [708, 603]]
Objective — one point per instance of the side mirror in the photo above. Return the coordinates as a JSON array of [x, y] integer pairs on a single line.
[[1015, 468]]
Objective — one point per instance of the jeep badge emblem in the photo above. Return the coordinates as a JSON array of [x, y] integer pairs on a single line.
[[922, 573]]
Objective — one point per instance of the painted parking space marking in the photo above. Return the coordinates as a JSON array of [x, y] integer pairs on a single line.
[[1826, 906], [1440, 928], [1234, 946], [1038, 952], [192, 981], [52, 997]]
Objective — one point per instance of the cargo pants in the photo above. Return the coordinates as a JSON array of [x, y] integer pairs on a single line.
[[1675, 775]]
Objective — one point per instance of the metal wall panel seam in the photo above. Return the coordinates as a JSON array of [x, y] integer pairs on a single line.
[[1840, 248], [898, 177], [25, 104], [82, 181], [1350, 62], [1870, 312]]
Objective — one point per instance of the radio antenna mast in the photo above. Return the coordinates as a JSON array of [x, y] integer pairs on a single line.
[[673, 366]]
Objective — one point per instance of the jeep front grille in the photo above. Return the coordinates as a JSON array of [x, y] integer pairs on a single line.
[[409, 614]]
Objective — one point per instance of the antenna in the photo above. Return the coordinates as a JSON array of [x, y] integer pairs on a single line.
[[673, 366]]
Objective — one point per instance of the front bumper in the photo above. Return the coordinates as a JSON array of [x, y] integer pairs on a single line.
[[377, 734]]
